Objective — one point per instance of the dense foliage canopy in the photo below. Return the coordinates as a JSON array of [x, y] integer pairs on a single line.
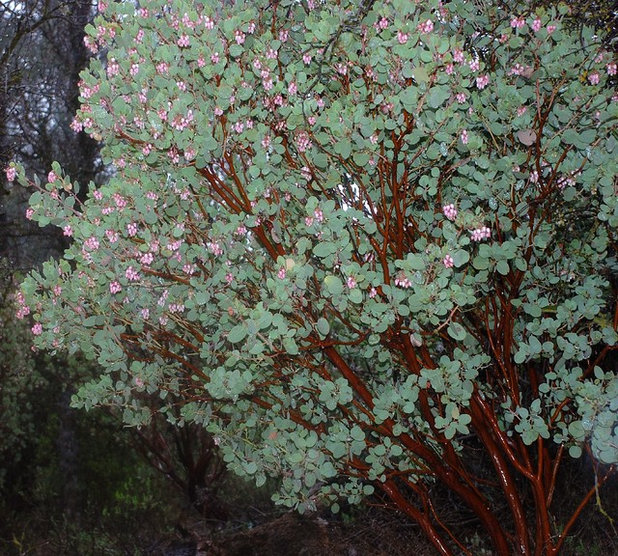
[[363, 242]]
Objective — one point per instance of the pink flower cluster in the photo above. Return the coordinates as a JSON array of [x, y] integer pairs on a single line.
[[450, 211], [594, 78], [91, 44], [214, 248], [381, 25], [113, 68], [92, 243], [120, 201], [448, 261], [23, 309], [131, 274], [426, 27], [475, 64], [481, 233], [482, 81], [303, 142], [162, 298], [402, 280], [518, 22], [76, 125], [174, 245], [519, 69], [182, 121], [11, 173], [341, 69]]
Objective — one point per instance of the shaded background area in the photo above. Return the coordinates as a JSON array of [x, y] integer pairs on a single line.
[[42, 53], [73, 482]]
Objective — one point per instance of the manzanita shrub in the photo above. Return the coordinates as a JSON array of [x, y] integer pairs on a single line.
[[370, 245]]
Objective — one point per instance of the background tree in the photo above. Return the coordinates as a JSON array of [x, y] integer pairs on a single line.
[[366, 245], [41, 55]]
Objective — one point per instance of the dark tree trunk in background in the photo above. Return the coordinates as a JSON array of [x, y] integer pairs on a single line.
[[84, 165], [68, 457], [188, 457], [41, 55]]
